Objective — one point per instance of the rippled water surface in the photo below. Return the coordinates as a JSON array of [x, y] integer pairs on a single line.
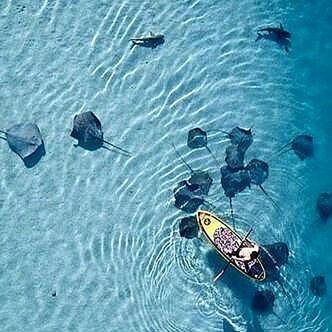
[[100, 228]]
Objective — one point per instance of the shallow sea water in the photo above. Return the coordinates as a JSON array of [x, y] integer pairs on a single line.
[[101, 229]]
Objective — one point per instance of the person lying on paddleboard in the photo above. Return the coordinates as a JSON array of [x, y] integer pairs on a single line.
[[246, 254]]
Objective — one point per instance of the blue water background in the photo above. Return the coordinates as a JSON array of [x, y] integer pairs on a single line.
[[100, 228]]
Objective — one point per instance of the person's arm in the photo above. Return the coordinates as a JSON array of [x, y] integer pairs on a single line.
[[241, 255], [240, 259], [255, 247]]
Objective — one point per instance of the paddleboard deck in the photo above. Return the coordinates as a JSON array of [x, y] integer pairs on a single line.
[[226, 241]]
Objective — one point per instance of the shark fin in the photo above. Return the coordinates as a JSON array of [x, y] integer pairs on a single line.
[[281, 27], [151, 33]]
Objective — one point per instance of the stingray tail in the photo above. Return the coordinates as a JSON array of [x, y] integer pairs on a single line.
[[232, 211], [279, 280], [117, 147], [277, 207], [281, 319], [283, 149], [182, 159], [213, 156], [216, 195], [210, 205]]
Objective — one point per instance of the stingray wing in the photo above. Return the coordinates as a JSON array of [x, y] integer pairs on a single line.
[[24, 139]]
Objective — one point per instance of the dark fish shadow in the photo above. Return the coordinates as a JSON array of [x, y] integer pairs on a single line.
[[34, 158], [150, 43], [282, 42]]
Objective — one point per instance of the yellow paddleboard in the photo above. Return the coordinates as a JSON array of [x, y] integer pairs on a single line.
[[226, 241]]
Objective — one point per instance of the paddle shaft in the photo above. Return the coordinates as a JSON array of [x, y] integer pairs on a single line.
[[219, 275]]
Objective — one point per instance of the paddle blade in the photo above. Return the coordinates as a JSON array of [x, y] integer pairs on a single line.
[[219, 275]]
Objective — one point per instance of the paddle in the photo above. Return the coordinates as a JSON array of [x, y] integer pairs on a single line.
[[220, 274]]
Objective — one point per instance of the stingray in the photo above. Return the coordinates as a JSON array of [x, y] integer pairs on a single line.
[[259, 172], [263, 303], [270, 266], [201, 179], [240, 137], [273, 256], [279, 251], [88, 131], [188, 204], [324, 205], [197, 177], [184, 187], [26, 141], [302, 145], [233, 182], [188, 197], [188, 187], [318, 286], [188, 227], [197, 138], [234, 157]]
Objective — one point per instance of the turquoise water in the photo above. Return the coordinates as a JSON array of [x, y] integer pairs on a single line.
[[101, 229]]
